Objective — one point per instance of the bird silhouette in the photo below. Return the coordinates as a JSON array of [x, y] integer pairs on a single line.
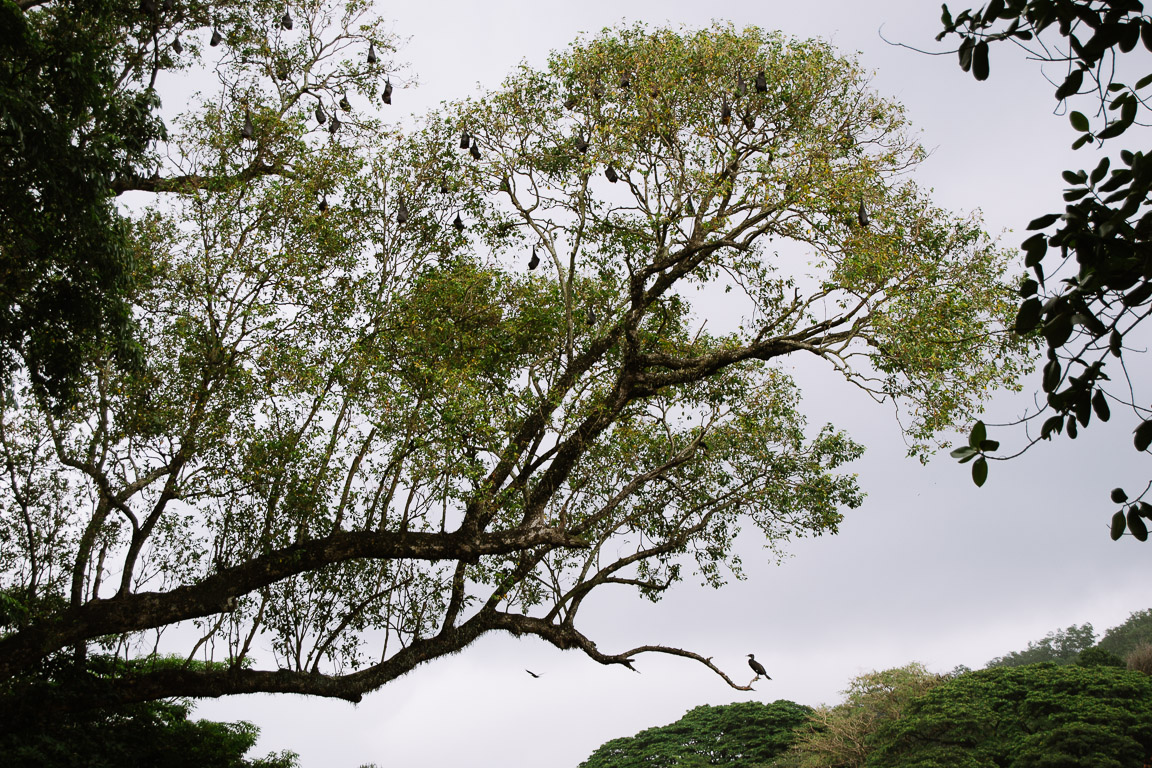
[[531, 673], [757, 667]]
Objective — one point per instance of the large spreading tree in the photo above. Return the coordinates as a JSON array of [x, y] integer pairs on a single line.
[[403, 389]]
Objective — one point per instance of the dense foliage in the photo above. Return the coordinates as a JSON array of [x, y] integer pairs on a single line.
[[1093, 274], [1036, 715], [362, 434], [36, 732], [740, 734], [843, 736]]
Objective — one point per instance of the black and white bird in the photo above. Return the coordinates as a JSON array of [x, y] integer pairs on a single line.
[[757, 667]]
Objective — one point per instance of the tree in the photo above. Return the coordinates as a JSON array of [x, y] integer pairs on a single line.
[[148, 733], [745, 733], [1061, 647], [1098, 657], [77, 117], [1103, 295], [844, 736], [364, 436], [1124, 638], [1037, 715]]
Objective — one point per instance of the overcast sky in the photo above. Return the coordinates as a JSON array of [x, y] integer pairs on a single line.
[[930, 569]]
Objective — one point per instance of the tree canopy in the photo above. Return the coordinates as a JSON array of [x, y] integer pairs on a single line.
[[366, 429], [1035, 715], [1092, 278], [746, 733], [1060, 647]]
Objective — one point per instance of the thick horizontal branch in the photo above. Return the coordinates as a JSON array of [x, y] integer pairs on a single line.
[[191, 182], [147, 610]]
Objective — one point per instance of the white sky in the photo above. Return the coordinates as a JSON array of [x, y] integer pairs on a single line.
[[930, 569]]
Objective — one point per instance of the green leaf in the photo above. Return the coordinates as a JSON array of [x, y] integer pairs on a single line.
[[1058, 329], [1143, 435], [963, 452], [1087, 137], [1071, 84], [1044, 221], [980, 61], [1118, 496], [978, 435], [1076, 178], [966, 54], [1136, 525], [1028, 287], [1100, 171], [1143, 82], [1051, 424], [1028, 316], [1079, 121], [1052, 375], [980, 471], [1100, 405], [1117, 525], [989, 445]]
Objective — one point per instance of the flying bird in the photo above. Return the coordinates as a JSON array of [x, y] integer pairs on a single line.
[[757, 667], [531, 673]]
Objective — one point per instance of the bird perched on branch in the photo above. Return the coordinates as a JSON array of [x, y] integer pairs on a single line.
[[757, 667]]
